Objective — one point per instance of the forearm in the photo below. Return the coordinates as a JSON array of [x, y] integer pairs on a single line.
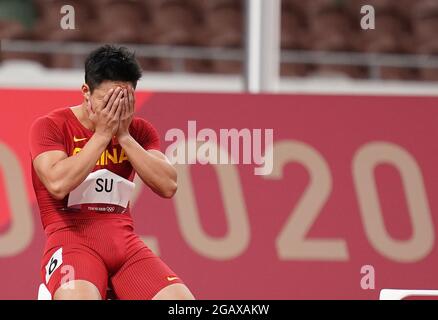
[[157, 173], [67, 174]]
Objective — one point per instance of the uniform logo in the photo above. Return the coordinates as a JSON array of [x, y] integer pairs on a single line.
[[78, 139], [171, 278], [110, 209], [116, 156], [53, 264]]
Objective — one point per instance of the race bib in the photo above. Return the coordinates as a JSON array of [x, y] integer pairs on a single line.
[[102, 187]]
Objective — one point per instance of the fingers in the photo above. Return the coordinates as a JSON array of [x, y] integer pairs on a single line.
[[106, 98], [131, 100], [116, 104], [120, 108], [112, 101], [123, 104]]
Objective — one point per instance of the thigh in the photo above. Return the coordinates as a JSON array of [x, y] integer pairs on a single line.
[[76, 269], [142, 276]]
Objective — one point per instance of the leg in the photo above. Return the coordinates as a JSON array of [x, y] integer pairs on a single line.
[[74, 272], [83, 290], [177, 291], [144, 276]]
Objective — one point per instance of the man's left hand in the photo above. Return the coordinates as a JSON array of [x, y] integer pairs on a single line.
[[127, 112]]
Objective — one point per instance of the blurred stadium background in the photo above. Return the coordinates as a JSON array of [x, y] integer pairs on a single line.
[[348, 97], [208, 37]]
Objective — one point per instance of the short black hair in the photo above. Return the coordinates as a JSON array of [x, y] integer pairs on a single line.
[[111, 63]]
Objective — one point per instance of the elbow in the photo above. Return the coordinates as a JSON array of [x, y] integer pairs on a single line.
[[57, 195], [170, 190], [56, 191]]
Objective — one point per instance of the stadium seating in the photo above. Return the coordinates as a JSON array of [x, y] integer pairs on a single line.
[[402, 27]]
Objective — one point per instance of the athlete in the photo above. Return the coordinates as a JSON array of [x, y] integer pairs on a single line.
[[84, 159]]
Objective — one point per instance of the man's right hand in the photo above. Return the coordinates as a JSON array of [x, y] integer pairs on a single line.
[[106, 114]]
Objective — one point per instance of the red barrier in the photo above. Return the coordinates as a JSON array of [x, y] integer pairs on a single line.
[[351, 196]]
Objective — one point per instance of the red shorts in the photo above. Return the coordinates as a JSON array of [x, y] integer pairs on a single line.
[[107, 253]]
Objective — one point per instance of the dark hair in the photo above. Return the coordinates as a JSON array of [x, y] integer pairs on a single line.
[[113, 64]]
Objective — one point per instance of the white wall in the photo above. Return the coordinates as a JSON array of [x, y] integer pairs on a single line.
[[32, 75]]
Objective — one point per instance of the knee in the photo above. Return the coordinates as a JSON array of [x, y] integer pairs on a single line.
[[174, 292], [183, 293], [77, 290]]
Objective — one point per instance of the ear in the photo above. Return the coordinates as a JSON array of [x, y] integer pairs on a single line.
[[86, 92]]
